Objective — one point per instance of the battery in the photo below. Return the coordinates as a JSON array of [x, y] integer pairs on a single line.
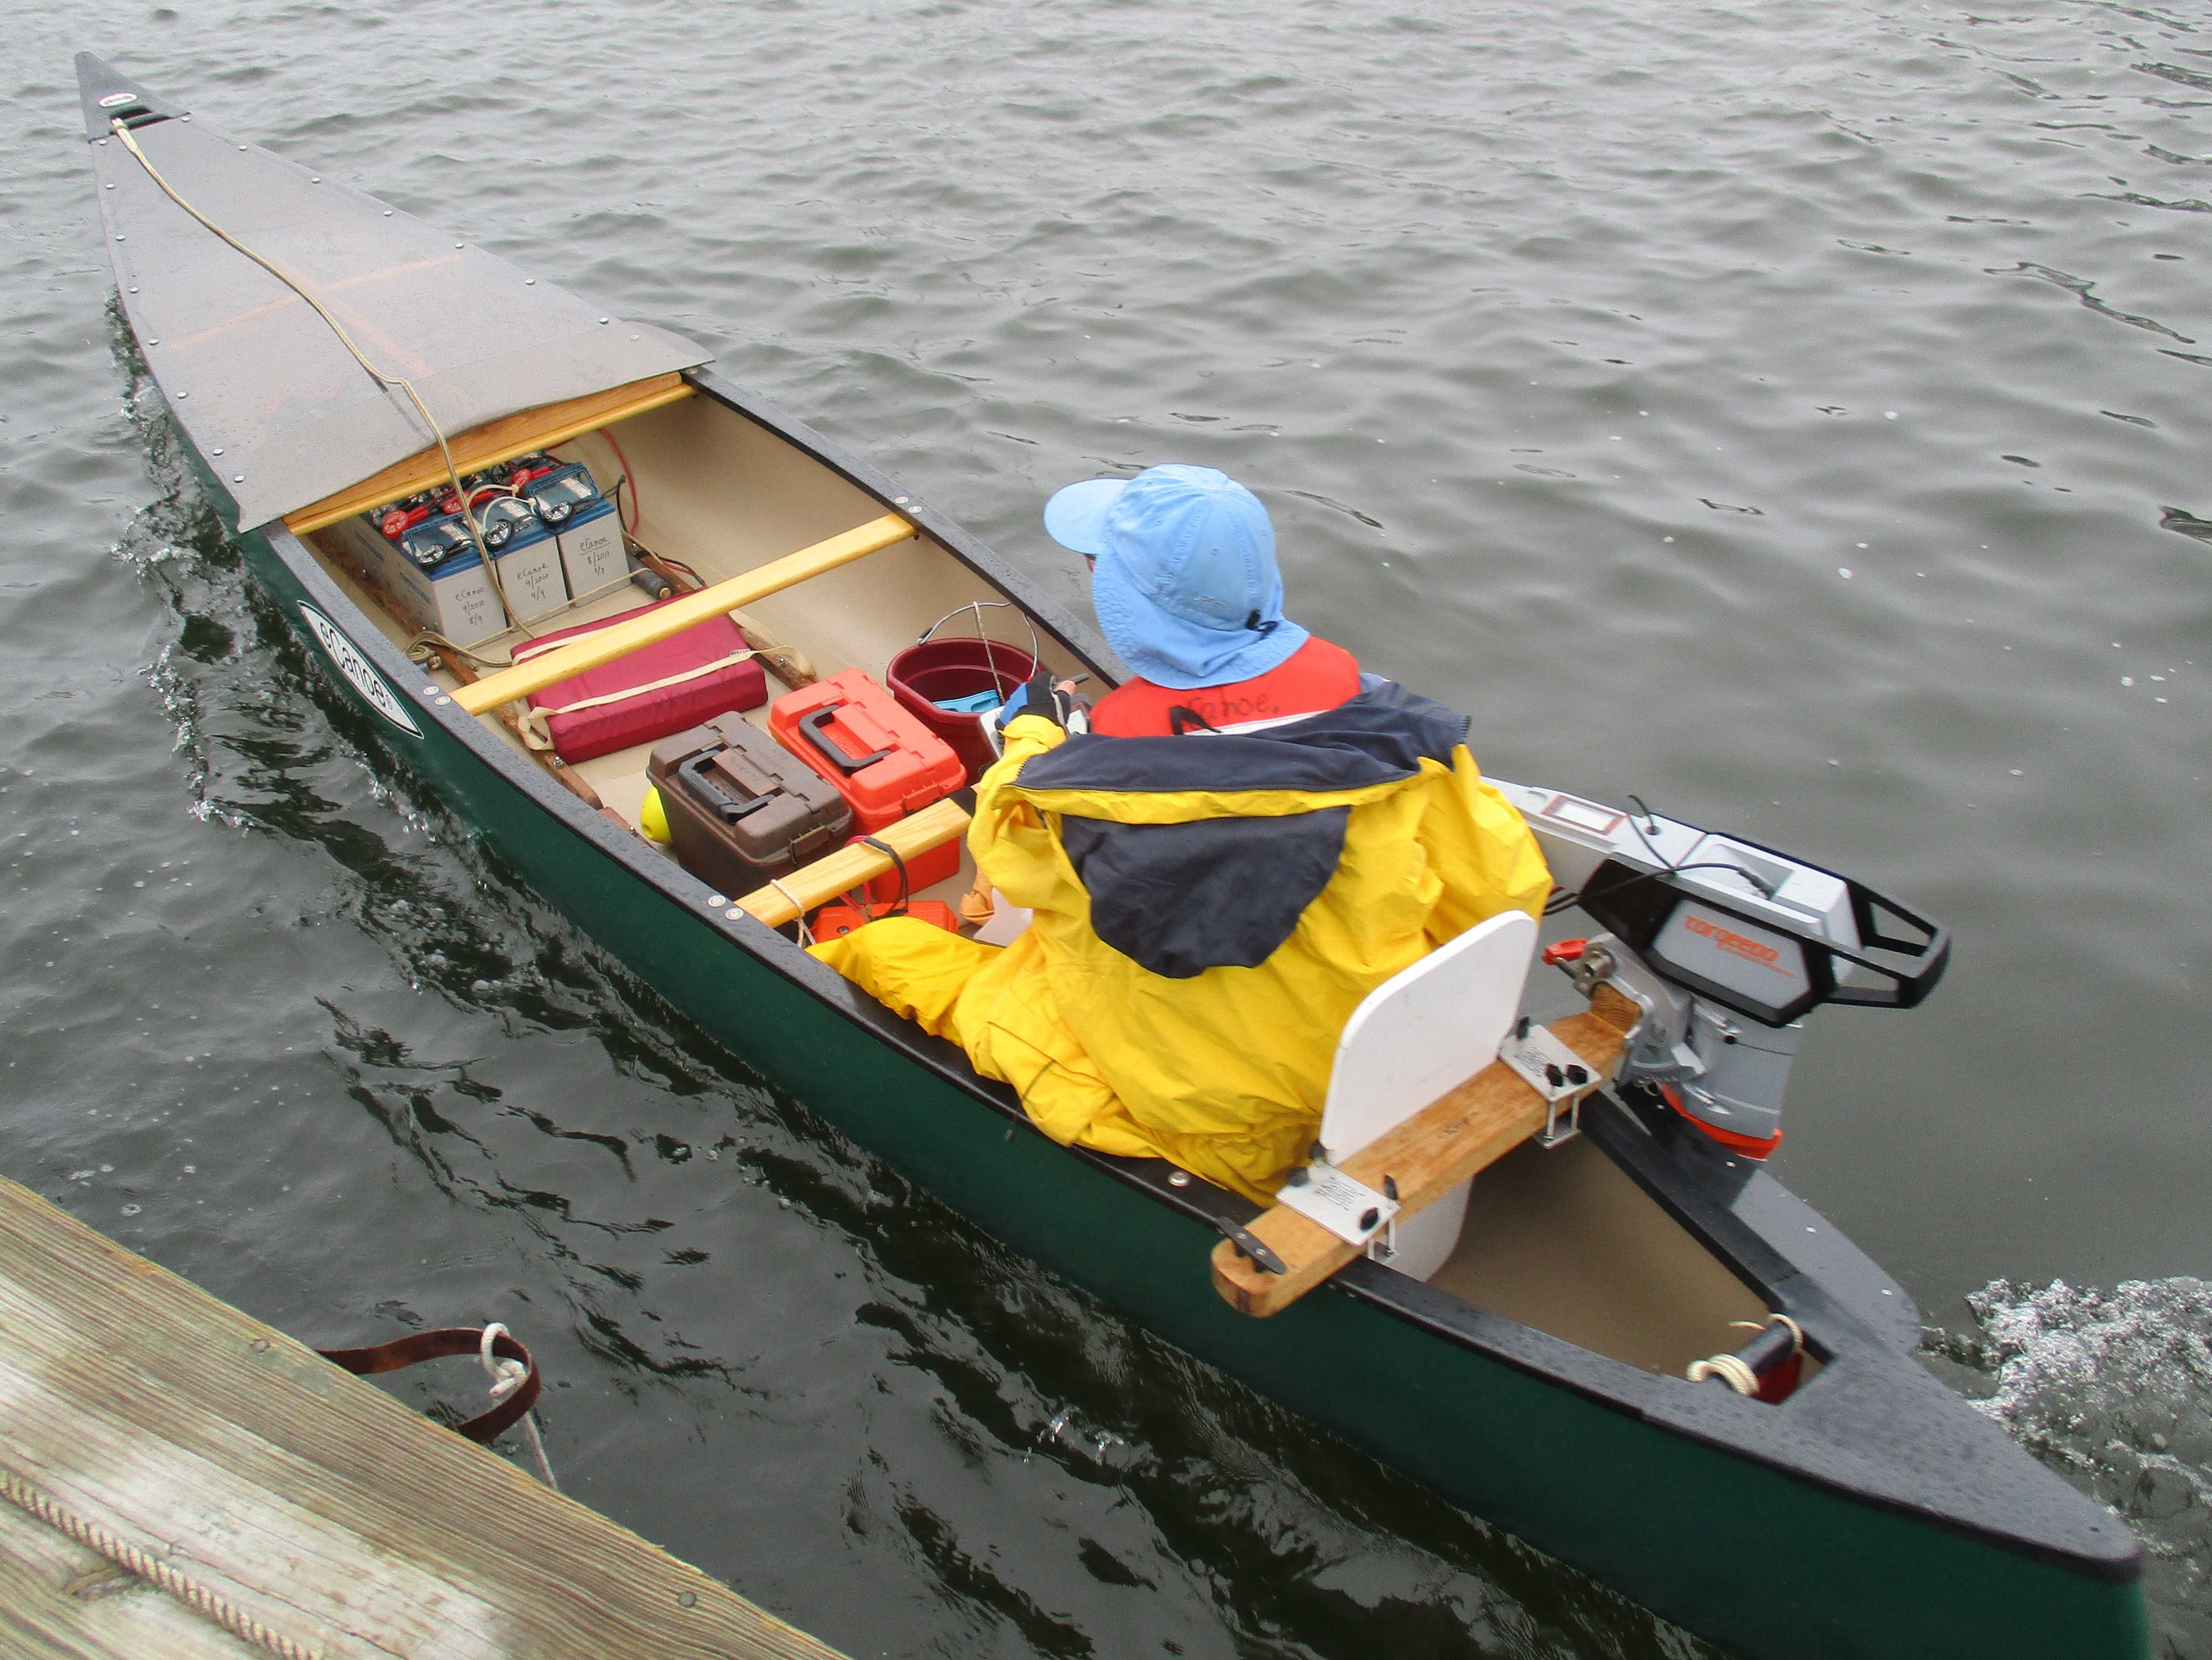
[[587, 526], [435, 572], [528, 557]]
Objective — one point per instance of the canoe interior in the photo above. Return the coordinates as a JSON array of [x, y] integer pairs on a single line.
[[1560, 1240], [722, 494]]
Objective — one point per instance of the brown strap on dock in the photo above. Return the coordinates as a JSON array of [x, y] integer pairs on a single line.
[[403, 1351]]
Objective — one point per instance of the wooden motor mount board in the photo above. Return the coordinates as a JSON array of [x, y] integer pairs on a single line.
[[1428, 1155]]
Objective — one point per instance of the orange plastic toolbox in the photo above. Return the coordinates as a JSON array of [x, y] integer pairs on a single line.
[[925, 870], [880, 756], [836, 922]]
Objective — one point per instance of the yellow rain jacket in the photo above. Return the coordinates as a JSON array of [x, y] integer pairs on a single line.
[[1209, 909]]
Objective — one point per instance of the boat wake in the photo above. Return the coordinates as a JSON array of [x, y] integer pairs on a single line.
[[2114, 1391]]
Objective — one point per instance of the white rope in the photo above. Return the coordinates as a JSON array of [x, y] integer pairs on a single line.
[[460, 495], [1733, 1369], [1796, 1331], [507, 1376], [806, 935], [1729, 1369], [209, 1604]]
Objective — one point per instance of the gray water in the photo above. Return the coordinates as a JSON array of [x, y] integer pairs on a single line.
[[1794, 413]]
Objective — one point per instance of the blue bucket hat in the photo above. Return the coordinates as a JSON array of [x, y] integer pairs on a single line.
[[1186, 585]]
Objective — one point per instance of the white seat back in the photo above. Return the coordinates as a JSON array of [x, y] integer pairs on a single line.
[[1419, 1035], [1426, 1030]]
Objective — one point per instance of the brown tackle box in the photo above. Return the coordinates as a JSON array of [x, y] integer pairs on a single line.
[[741, 808]]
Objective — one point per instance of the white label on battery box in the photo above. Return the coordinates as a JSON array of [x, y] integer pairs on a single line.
[[591, 549], [1350, 1210], [529, 576], [348, 661]]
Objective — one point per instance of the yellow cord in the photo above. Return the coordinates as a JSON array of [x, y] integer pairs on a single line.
[[460, 495]]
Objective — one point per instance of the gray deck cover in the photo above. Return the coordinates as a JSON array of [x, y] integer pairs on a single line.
[[281, 411]]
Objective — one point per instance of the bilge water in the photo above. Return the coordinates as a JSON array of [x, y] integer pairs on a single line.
[[1796, 414]]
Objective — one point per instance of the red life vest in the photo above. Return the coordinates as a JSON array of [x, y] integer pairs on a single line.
[[1317, 676]]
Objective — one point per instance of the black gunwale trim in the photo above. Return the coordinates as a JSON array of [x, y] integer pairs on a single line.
[[1608, 1383]]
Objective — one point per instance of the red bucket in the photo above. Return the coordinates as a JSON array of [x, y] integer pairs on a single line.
[[958, 668]]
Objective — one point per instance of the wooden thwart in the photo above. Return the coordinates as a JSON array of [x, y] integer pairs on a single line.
[[1428, 1155], [590, 650], [488, 445], [846, 868]]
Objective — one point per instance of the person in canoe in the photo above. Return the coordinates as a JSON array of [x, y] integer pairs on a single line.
[[1248, 839]]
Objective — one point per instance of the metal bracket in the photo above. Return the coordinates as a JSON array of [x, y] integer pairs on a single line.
[[1554, 1071], [1350, 1209], [1591, 970]]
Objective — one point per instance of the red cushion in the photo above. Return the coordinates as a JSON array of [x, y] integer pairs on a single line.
[[647, 716]]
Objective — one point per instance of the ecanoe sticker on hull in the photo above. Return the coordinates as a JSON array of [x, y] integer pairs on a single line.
[[346, 657]]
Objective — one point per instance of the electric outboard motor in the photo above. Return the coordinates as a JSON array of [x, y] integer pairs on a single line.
[[1725, 945]]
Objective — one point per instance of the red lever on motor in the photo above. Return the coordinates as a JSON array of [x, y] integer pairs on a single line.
[[1565, 951]]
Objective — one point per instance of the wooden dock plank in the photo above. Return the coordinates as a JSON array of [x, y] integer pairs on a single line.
[[60, 1601], [308, 1498]]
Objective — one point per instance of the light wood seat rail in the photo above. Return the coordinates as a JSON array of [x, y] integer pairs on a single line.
[[588, 652], [846, 868], [1428, 1154], [488, 445]]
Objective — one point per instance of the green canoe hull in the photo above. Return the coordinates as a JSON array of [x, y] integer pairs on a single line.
[[1725, 1545]]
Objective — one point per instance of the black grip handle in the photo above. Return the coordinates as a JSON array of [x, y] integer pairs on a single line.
[[814, 725], [709, 793]]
